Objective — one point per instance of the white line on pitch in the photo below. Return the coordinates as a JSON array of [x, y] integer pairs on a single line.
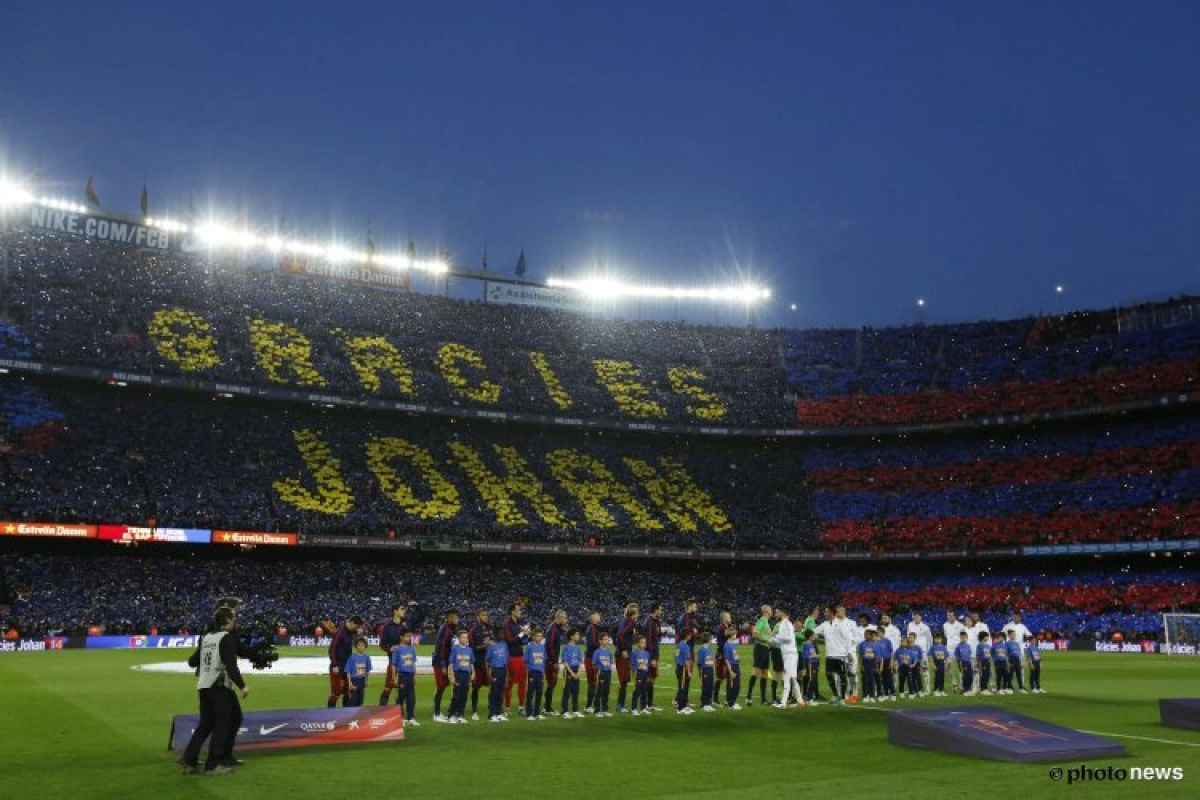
[[1143, 738]]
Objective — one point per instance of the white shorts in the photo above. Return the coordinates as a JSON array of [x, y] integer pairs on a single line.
[[790, 662]]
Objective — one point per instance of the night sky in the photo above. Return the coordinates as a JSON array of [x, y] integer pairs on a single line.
[[852, 156]]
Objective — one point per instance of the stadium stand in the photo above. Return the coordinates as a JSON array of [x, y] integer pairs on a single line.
[[71, 451], [218, 450]]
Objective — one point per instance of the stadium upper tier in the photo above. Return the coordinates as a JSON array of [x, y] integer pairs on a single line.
[[97, 454], [73, 301]]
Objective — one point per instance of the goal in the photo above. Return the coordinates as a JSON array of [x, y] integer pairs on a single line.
[[1181, 634]]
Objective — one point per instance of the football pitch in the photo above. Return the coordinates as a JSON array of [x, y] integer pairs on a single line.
[[86, 724]]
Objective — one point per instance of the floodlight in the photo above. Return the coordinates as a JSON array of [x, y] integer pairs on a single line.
[[610, 289], [12, 194]]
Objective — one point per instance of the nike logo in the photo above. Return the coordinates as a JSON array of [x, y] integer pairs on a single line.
[[263, 730]]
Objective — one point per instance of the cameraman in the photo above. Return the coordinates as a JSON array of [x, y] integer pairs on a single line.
[[215, 661], [244, 650]]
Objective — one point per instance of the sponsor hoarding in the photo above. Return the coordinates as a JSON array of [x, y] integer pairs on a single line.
[[55, 530], [142, 642], [303, 727], [133, 533], [32, 645], [255, 538]]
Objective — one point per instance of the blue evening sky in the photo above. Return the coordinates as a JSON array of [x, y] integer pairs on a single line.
[[852, 156]]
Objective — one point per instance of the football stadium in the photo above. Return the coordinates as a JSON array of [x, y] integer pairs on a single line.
[[287, 512], [183, 423]]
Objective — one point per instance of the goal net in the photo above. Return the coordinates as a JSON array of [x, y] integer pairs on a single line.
[[1181, 634]]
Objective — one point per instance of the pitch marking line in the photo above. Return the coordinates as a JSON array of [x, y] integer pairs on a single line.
[[1143, 738]]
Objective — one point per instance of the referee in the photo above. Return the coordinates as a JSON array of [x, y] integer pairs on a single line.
[[216, 663], [762, 655]]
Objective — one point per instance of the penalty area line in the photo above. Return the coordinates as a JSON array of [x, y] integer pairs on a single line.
[[1143, 738]]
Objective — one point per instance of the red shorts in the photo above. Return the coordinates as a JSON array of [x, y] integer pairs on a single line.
[[516, 671], [622, 669], [551, 674], [653, 673], [440, 679], [593, 674], [391, 682], [722, 670], [339, 684], [516, 677]]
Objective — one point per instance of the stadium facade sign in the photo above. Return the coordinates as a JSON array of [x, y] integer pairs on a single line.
[[365, 275], [369, 542], [534, 548], [102, 228], [1095, 548], [519, 294]]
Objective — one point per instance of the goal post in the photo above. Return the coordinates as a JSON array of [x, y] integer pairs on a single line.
[[1181, 634]]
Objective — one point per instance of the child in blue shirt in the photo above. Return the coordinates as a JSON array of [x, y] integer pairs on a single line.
[[868, 665], [886, 679], [602, 660], [639, 659], [497, 669], [462, 662], [1012, 649], [572, 661], [983, 657], [683, 674], [358, 669], [1000, 664], [962, 652], [734, 668], [939, 659], [810, 657], [706, 662], [1033, 654], [918, 659], [404, 664], [535, 665], [904, 667]]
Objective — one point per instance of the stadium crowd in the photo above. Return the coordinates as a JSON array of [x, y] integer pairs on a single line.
[[1115, 480], [130, 594], [125, 455], [72, 452], [954, 372], [69, 301]]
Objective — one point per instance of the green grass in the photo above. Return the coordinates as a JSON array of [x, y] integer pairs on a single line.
[[84, 724]]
